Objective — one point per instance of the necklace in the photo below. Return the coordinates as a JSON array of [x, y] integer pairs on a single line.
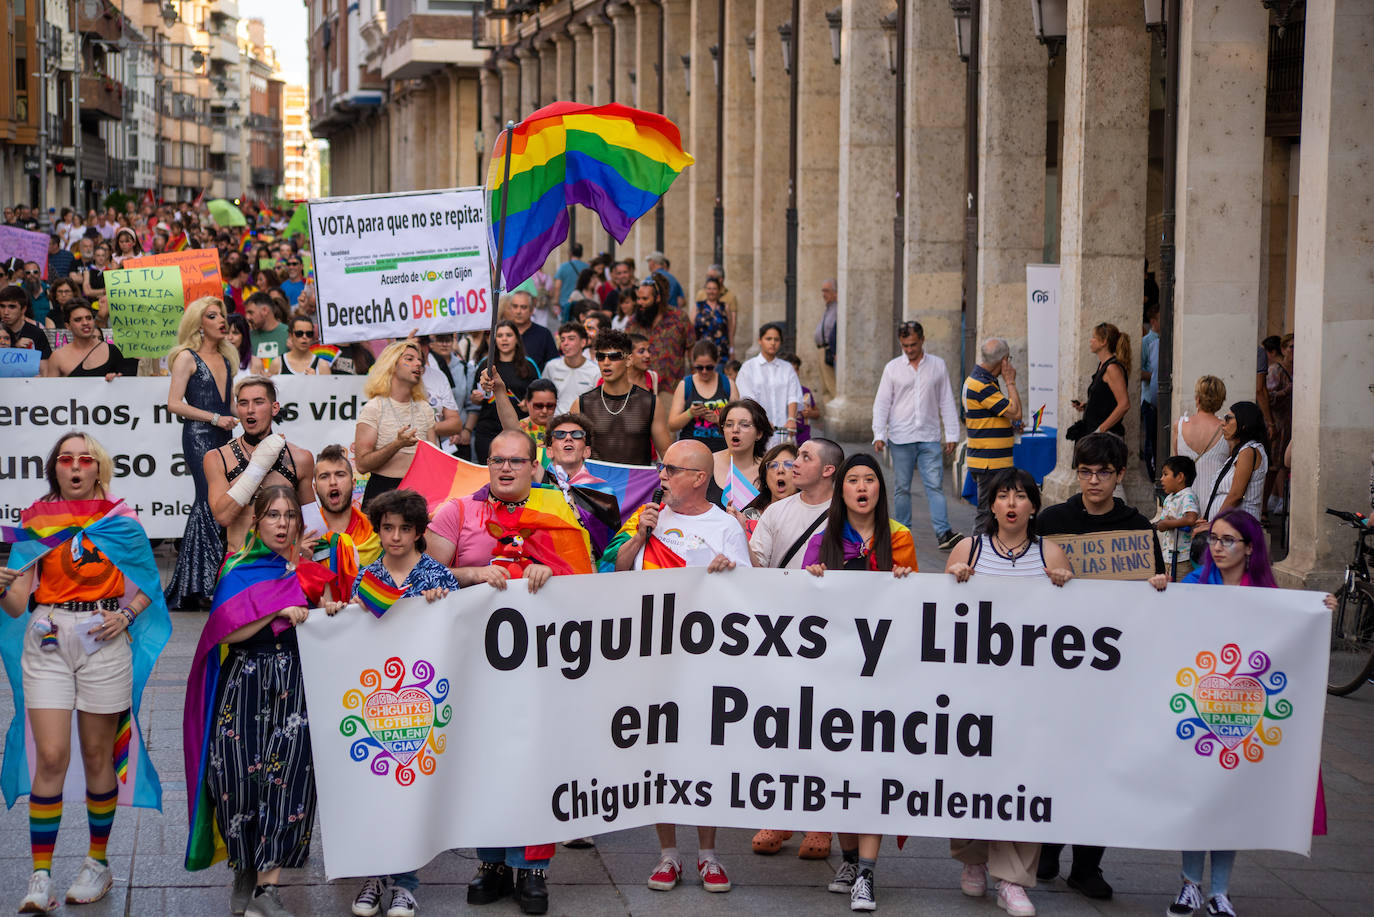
[[509, 506], [1010, 553], [622, 407]]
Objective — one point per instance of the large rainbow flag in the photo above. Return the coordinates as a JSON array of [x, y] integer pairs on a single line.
[[657, 555], [613, 159], [253, 584], [350, 551], [114, 530]]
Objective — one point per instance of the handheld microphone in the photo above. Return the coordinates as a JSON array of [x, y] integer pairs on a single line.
[[657, 499]]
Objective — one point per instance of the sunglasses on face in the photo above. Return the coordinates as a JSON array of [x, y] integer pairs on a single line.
[[569, 434], [704, 367], [543, 405], [293, 264], [85, 460], [303, 334], [670, 470], [615, 356]]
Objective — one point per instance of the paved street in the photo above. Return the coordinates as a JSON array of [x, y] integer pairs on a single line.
[[609, 880]]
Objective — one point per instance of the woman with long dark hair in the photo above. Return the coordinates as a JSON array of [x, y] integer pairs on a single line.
[[240, 338], [1240, 484], [859, 535], [1108, 400], [516, 369]]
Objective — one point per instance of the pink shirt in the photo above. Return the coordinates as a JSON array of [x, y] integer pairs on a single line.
[[463, 521]]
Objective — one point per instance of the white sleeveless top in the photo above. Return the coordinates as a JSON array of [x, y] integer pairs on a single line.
[[1252, 500], [1209, 464], [988, 561]]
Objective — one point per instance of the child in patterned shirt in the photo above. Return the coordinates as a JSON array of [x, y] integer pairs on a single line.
[[1181, 511]]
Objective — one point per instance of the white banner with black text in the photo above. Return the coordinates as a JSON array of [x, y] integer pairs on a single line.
[[130, 418], [1100, 713]]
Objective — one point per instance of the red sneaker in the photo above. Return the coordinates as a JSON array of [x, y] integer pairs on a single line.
[[713, 877], [666, 875]]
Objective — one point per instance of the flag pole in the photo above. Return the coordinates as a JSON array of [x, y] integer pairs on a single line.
[[497, 290]]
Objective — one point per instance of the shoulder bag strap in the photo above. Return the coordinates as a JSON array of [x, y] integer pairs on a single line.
[[805, 536], [1207, 513]]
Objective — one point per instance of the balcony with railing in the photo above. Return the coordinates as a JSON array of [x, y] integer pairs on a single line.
[[422, 43], [104, 25], [102, 95]]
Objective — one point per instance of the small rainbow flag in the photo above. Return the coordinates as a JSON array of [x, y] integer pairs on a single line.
[[325, 352], [375, 595], [51, 522], [613, 159], [178, 243], [245, 240], [1036, 418]]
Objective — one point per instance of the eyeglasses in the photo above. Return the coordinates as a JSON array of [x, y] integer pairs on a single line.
[[569, 434], [515, 462], [615, 356], [85, 460], [1088, 474], [303, 334], [703, 367], [1226, 541], [738, 425], [276, 515], [784, 465], [671, 470]]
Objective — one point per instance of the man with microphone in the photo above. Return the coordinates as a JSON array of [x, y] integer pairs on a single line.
[[681, 528]]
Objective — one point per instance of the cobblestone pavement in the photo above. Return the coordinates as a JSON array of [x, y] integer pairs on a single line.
[[147, 846]]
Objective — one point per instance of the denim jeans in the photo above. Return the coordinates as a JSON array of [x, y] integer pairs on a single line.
[[1222, 861], [929, 458], [514, 857], [410, 881]]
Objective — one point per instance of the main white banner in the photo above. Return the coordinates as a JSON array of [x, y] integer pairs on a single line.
[[130, 418], [1102, 713], [386, 265]]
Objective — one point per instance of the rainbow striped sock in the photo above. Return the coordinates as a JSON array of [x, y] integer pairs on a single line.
[[45, 814], [100, 811]]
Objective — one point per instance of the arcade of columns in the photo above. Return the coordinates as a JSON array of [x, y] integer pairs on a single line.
[[1098, 188]]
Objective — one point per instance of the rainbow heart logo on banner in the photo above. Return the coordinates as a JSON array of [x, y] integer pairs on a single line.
[[397, 725], [1229, 707]]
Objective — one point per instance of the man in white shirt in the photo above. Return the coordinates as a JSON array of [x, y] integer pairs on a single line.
[[572, 373], [689, 531], [773, 383], [914, 399], [780, 538]]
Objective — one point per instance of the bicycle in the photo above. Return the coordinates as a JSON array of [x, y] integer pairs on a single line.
[[1352, 623]]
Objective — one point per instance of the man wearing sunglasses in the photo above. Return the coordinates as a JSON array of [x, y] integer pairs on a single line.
[[1100, 460], [572, 372], [625, 417], [295, 279]]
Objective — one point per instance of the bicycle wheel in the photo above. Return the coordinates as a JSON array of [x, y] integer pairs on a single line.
[[1352, 642]]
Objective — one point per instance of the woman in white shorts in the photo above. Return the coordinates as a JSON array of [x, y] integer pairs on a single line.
[[76, 590]]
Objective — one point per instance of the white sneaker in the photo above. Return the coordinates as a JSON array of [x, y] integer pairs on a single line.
[[1012, 899], [40, 898], [368, 901], [973, 881], [844, 878], [861, 895], [402, 903], [92, 882]]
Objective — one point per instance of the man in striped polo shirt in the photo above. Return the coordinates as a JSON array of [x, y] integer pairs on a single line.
[[988, 416]]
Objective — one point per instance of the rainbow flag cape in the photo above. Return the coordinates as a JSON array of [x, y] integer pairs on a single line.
[[657, 555], [350, 551], [855, 550], [325, 352], [117, 534], [50, 522], [738, 492], [375, 595], [546, 530], [253, 584], [613, 159]]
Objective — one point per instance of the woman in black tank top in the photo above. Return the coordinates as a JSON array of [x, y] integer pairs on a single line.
[[1108, 401]]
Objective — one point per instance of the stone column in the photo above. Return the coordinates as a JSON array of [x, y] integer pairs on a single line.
[[676, 203], [623, 34], [1223, 70], [529, 82], [585, 227], [701, 178], [1333, 412], [646, 26], [562, 67], [603, 85], [548, 73], [740, 214], [1106, 146], [935, 180], [510, 92], [1011, 171], [818, 177], [771, 115], [866, 211], [470, 143]]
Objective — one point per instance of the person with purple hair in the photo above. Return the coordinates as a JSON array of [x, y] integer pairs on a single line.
[[1236, 555]]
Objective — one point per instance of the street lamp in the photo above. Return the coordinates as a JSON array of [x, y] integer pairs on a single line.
[[785, 33], [749, 49], [715, 64], [1154, 15], [687, 72], [834, 19], [889, 24], [963, 26], [169, 14], [1051, 19], [197, 58]]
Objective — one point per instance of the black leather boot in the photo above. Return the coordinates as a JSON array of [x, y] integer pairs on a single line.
[[531, 893], [492, 882]]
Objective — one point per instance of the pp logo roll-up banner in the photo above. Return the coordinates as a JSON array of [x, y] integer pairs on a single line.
[[389, 264]]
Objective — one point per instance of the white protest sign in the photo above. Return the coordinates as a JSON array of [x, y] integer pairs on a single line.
[[1042, 344], [129, 417], [1099, 713], [389, 264]]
